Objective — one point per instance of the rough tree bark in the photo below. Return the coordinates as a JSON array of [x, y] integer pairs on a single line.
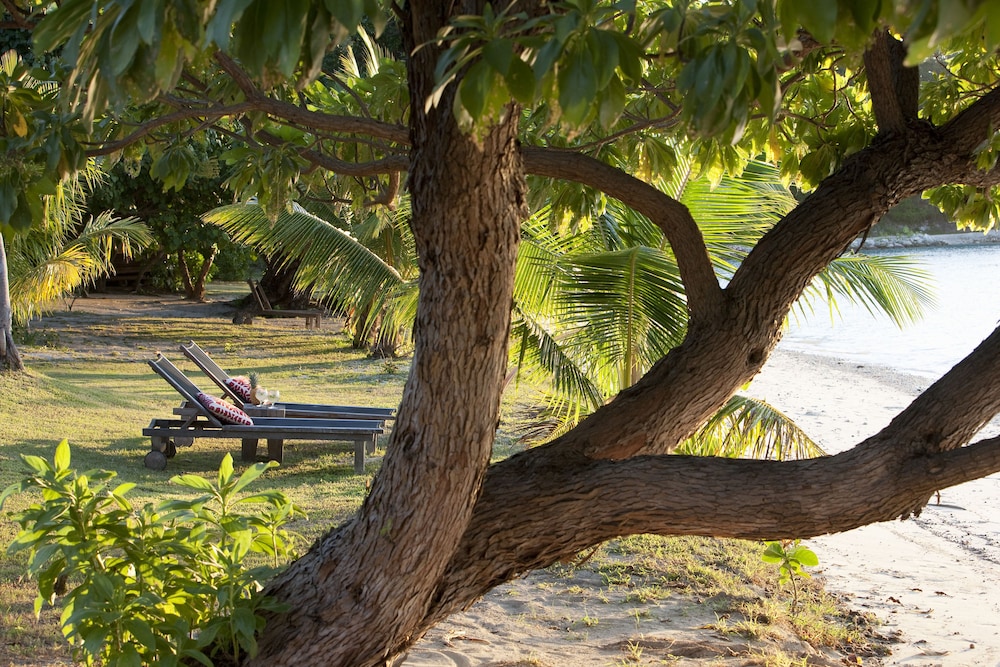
[[466, 225]]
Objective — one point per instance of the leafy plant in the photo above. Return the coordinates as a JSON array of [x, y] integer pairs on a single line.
[[168, 583], [790, 557]]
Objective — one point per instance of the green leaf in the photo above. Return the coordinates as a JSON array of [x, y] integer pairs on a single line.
[[604, 51], [61, 460], [499, 53], [193, 482], [225, 471], [819, 18], [577, 86], [347, 12], [60, 25], [475, 88], [129, 657], [123, 41], [252, 473], [220, 25], [612, 103], [520, 80], [774, 553], [244, 621], [805, 556], [149, 20], [168, 61], [23, 216]]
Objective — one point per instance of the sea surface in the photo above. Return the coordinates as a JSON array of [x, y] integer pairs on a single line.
[[966, 284]]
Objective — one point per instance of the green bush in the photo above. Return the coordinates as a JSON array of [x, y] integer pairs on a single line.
[[165, 584]]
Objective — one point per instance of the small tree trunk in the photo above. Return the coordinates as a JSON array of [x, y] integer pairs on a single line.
[[10, 360], [194, 288], [185, 274]]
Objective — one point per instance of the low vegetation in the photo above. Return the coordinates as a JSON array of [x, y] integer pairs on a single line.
[[89, 383]]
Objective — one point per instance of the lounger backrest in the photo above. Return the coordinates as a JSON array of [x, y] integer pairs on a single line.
[[261, 298], [215, 372], [189, 390]]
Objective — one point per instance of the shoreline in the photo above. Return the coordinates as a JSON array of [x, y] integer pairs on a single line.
[[924, 240], [931, 579]]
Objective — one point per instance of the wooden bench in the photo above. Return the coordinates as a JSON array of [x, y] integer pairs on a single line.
[[313, 317]]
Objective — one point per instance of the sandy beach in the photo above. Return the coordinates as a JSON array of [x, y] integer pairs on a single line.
[[933, 581]]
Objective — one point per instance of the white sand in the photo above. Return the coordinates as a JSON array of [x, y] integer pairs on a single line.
[[934, 581]]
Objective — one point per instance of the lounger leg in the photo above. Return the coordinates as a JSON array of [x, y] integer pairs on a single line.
[[359, 456], [250, 449], [275, 450], [372, 443]]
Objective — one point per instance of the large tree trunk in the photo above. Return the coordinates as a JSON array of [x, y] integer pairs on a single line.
[[360, 595], [440, 528], [10, 360]]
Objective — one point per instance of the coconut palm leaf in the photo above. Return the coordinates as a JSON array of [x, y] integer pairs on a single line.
[[333, 264], [749, 428], [893, 285], [627, 308], [53, 260], [544, 360]]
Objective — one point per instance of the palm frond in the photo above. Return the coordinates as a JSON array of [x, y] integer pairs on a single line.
[[626, 307], [104, 233], [750, 428], [332, 262], [891, 284], [35, 286], [540, 357]]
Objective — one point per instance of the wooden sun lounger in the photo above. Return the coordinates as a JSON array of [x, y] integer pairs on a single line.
[[313, 317], [198, 422], [217, 375]]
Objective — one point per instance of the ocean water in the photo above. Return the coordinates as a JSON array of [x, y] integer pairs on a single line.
[[966, 282]]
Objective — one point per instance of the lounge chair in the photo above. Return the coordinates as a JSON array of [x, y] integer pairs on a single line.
[[313, 317], [307, 410], [197, 421]]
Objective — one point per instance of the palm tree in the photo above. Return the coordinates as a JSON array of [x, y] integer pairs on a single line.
[[362, 263], [67, 249], [10, 360], [46, 247]]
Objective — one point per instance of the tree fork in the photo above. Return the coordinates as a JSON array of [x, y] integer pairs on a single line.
[[890, 475]]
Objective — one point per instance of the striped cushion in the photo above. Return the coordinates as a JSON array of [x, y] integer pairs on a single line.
[[239, 386], [227, 414]]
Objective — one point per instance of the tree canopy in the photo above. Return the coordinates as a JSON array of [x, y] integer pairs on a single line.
[[860, 103]]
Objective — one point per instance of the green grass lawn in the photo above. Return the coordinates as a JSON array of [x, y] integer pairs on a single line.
[[88, 381]]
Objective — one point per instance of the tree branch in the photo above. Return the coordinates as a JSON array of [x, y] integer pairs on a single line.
[[148, 127], [894, 88], [889, 475], [701, 284], [388, 165], [314, 119], [975, 125]]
